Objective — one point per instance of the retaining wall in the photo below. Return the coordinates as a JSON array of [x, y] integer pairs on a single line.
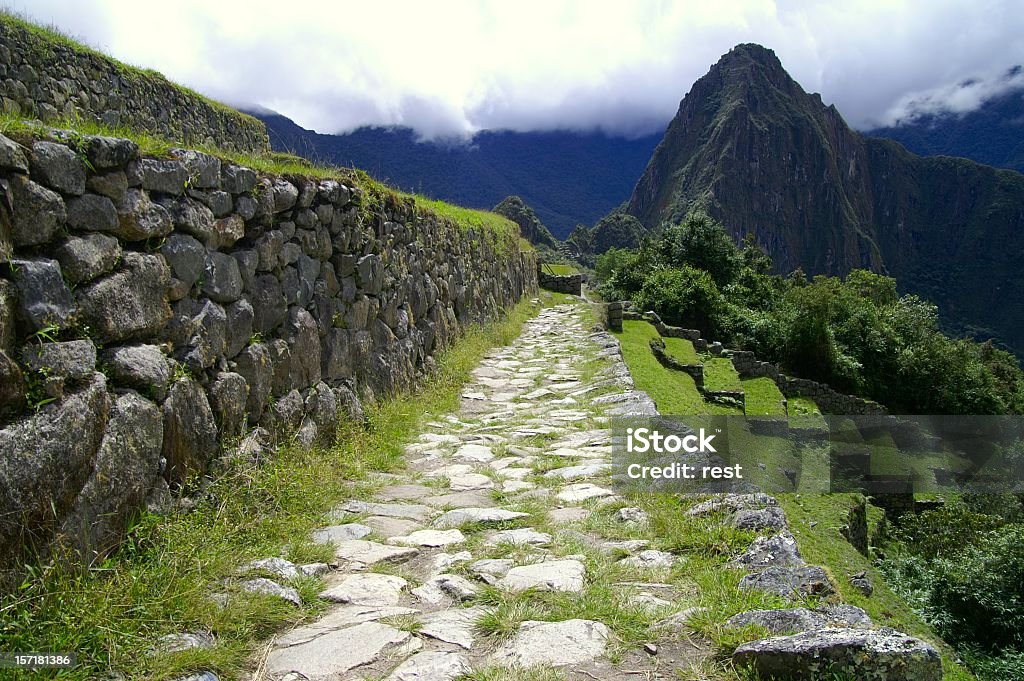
[[748, 366], [561, 283], [150, 309]]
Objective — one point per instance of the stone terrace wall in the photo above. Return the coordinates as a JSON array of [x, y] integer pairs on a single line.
[[829, 400], [561, 283], [46, 79], [151, 309]]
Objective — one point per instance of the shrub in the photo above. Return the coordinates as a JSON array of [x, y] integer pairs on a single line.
[[683, 296], [979, 592]]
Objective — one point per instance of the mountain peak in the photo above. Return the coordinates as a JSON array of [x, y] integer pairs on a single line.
[[750, 67], [751, 52]]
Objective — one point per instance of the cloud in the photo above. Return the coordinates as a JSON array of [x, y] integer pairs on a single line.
[[954, 99], [451, 67]]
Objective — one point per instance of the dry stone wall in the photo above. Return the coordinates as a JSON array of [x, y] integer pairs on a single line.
[[150, 309], [747, 365], [561, 283], [49, 79]]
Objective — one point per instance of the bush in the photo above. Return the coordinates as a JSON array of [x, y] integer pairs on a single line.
[[944, 531], [978, 594], [700, 242], [684, 297]]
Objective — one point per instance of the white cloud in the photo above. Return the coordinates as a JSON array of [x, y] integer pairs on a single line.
[[451, 67]]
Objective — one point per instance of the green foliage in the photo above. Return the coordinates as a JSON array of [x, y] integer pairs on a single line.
[[962, 567], [943, 531], [684, 297], [978, 593], [701, 243], [856, 334]]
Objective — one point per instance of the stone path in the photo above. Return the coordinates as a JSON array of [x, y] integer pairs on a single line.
[[490, 518], [486, 559]]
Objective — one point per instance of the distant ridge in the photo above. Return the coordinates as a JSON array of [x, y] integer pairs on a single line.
[[992, 134], [567, 177]]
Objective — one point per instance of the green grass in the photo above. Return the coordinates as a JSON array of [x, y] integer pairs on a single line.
[[674, 392], [470, 218], [682, 349], [558, 270], [804, 414], [160, 580], [721, 375], [44, 37], [763, 398]]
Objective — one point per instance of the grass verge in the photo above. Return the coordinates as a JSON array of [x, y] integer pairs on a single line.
[[162, 579]]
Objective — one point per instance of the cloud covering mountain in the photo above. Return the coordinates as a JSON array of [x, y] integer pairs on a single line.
[[452, 68]]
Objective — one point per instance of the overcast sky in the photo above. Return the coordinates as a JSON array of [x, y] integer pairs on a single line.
[[451, 68]]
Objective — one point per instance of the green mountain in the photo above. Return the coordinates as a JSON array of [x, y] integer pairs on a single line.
[[758, 153], [532, 229]]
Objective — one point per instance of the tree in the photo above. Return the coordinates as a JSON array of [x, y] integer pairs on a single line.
[[702, 243], [683, 296]]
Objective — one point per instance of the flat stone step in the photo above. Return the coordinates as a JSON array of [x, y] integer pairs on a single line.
[[335, 653], [454, 625], [574, 494], [520, 537], [779, 550], [554, 575], [790, 582], [432, 538], [366, 552], [473, 452], [796, 620], [339, 618], [555, 644], [465, 516], [366, 589], [391, 527], [578, 472], [431, 665], [340, 533], [416, 512]]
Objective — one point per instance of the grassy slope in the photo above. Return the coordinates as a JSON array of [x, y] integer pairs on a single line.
[[720, 374], [160, 581], [559, 270], [682, 350], [763, 398], [674, 392], [821, 544], [824, 545]]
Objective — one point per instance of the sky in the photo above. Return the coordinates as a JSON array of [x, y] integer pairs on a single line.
[[448, 68]]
